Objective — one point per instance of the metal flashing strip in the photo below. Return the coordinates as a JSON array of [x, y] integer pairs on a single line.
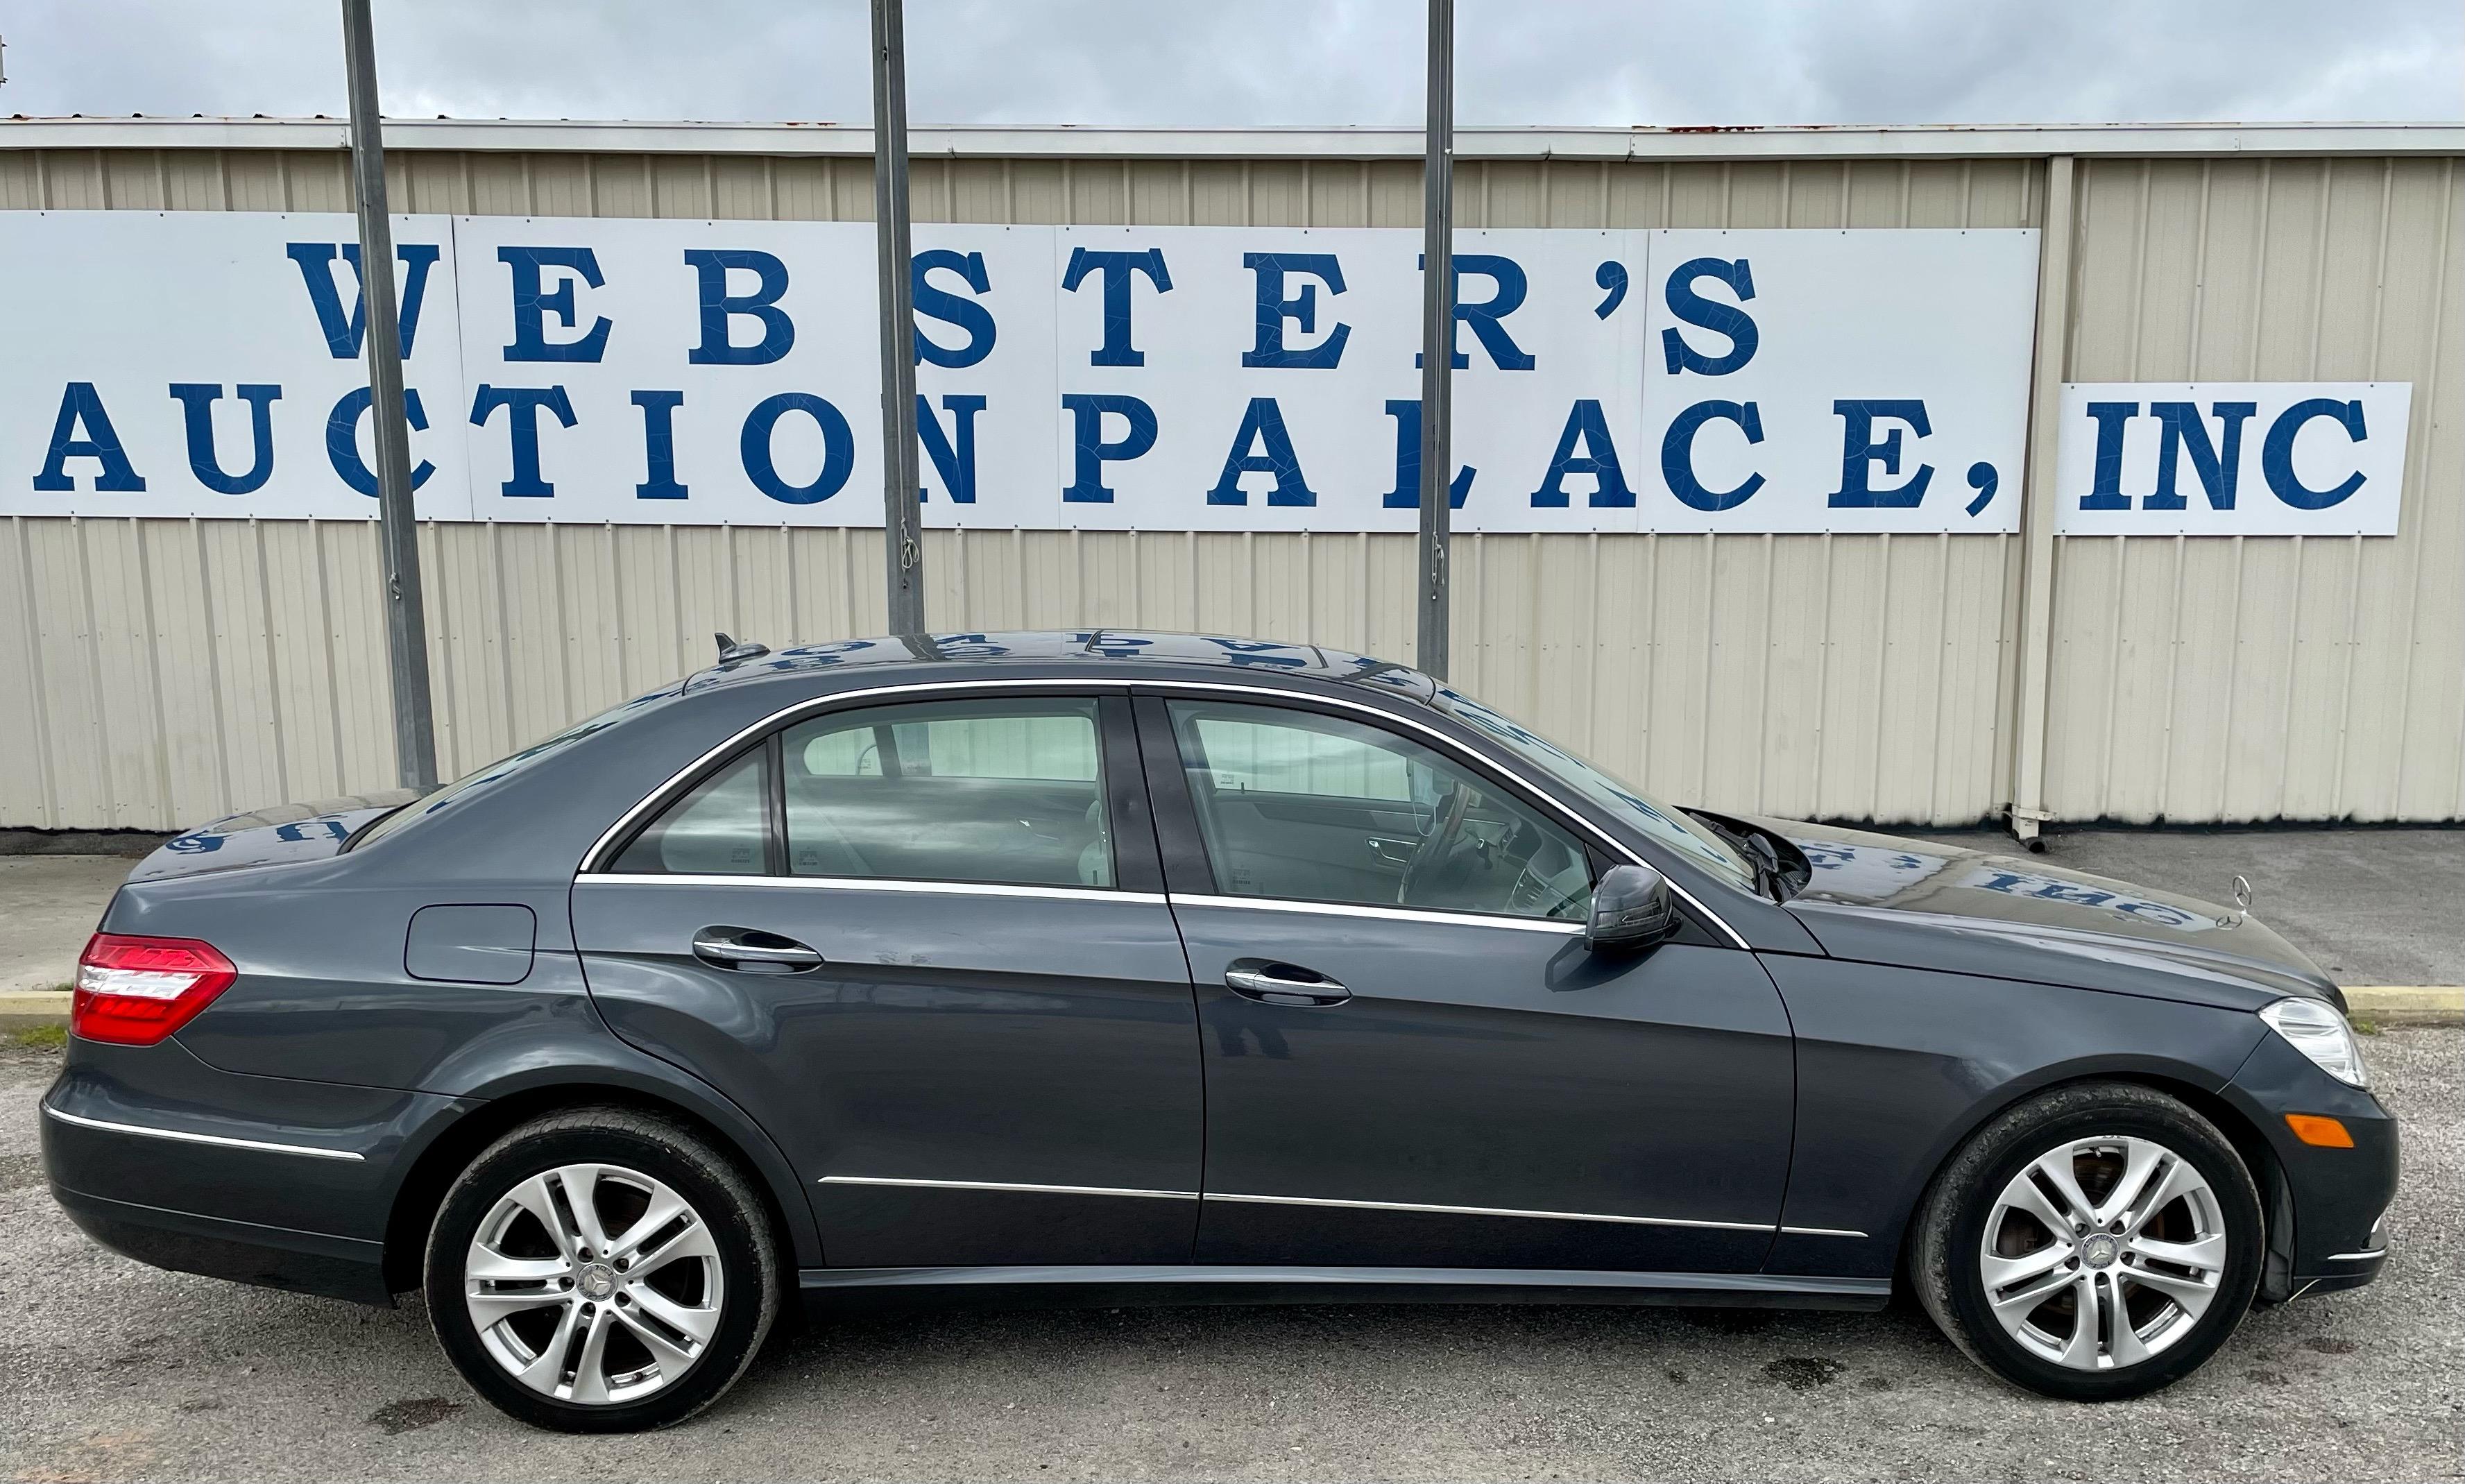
[[219, 1140]]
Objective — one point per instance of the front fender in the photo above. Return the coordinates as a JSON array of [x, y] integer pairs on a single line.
[[1897, 1067]]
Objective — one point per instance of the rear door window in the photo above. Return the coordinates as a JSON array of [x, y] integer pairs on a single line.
[[1009, 791]]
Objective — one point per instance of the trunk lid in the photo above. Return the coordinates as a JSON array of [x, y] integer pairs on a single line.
[[278, 834]]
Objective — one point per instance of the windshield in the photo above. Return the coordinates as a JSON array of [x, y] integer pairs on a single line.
[[1668, 826], [473, 784]]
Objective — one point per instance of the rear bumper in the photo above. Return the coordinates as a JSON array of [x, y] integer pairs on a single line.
[[261, 1179], [302, 1262]]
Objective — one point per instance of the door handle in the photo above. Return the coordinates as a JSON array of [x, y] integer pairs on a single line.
[[753, 950], [1392, 851], [1282, 984]]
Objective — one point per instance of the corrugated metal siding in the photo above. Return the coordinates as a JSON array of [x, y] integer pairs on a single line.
[[171, 670], [2214, 679]]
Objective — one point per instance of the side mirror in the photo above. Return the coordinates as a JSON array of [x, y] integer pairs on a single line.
[[1633, 910]]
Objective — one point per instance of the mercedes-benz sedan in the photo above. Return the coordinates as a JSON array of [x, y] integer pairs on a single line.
[[1135, 968]]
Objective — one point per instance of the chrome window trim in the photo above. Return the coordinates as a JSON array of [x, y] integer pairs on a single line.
[[1489, 1210], [218, 1140], [1008, 1186], [1346, 909], [874, 884], [657, 797]]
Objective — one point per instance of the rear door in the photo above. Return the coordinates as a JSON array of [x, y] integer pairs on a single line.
[[1413, 1058], [925, 945]]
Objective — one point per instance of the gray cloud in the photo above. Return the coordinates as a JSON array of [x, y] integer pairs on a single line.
[[1274, 62]]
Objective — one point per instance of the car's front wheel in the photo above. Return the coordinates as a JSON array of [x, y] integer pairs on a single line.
[[601, 1270], [2097, 1242]]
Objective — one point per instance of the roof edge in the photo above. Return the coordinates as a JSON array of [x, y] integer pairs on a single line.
[[1790, 141]]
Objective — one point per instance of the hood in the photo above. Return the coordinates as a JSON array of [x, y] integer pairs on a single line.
[[1887, 899], [281, 834]]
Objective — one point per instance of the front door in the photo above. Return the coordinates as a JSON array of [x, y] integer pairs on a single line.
[[924, 945], [1412, 1059]]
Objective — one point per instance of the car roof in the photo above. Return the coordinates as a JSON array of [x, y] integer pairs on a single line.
[[1097, 650]]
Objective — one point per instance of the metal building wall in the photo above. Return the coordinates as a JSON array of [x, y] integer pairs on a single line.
[[172, 670], [2258, 678]]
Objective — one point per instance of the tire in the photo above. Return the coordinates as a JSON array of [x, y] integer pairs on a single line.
[[640, 1331], [2183, 1271]]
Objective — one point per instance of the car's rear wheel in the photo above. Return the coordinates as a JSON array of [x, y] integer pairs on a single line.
[[601, 1270], [2097, 1242]]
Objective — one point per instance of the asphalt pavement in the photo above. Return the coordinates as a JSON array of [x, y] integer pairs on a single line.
[[112, 1370]]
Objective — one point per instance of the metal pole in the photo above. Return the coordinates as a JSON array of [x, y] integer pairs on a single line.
[[414, 733], [903, 533], [1437, 337]]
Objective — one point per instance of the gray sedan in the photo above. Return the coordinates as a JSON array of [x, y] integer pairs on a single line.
[[1125, 968]]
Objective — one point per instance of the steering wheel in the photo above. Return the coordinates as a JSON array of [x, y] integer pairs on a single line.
[[1434, 845]]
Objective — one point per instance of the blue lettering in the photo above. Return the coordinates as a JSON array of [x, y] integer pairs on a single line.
[[1263, 425], [1087, 413], [522, 404], [1116, 269], [1487, 319], [1275, 306], [2181, 431], [342, 439], [1710, 314], [343, 336], [532, 306], [839, 448], [2276, 453], [2105, 480], [81, 406], [952, 309], [711, 267], [1587, 427], [953, 455], [659, 445], [197, 401], [1677, 455], [1859, 453], [1407, 493]]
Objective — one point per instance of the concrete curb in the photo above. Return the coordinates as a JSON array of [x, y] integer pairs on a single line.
[[2407, 1005], [2376, 1005], [27, 1008]]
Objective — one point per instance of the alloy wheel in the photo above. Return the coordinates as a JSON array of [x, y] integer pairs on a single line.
[[2103, 1251], [594, 1284]]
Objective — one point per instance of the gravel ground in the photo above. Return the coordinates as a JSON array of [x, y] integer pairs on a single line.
[[113, 1370]]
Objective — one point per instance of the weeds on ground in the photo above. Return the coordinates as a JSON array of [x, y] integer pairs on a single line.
[[36, 1038]]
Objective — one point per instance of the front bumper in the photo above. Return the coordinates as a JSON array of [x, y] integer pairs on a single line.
[[2329, 1206]]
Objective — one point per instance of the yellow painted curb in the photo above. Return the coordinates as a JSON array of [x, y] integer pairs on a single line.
[[25, 1008], [2407, 1005]]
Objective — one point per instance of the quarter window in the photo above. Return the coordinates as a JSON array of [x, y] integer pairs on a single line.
[[1310, 807], [1006, 792], [719, 828]]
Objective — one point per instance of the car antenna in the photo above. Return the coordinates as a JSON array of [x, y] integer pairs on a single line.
[[730, 651]]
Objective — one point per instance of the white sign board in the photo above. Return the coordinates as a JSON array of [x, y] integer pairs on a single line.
[[208, 363], [2231, 458]]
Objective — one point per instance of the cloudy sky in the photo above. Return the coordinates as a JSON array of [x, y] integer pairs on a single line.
[[1167, 62]]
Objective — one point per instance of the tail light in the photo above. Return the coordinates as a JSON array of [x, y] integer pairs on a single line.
[[135, 991]]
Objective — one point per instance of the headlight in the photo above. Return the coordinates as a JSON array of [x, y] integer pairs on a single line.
[[2315, 1029]]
